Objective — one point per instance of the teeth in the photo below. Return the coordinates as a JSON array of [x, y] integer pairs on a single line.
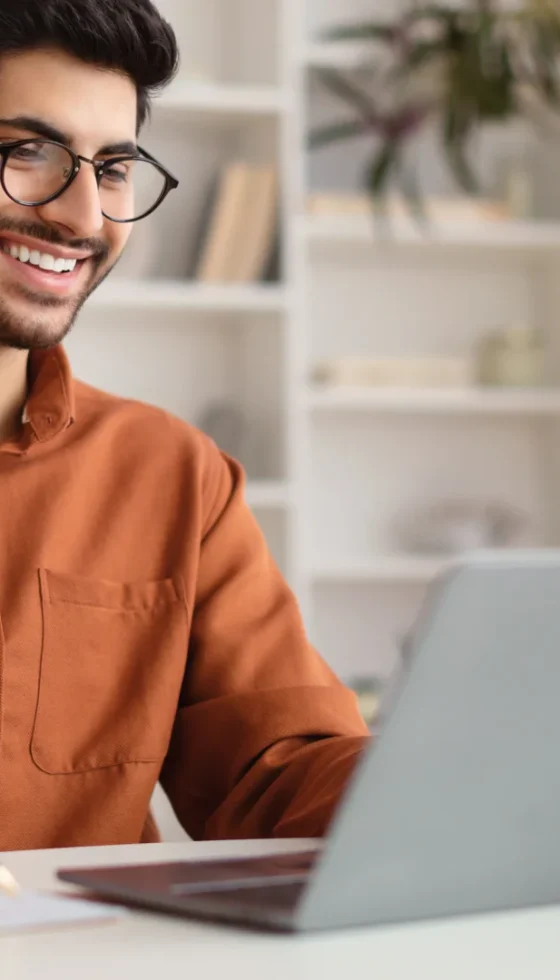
[[41, 259]]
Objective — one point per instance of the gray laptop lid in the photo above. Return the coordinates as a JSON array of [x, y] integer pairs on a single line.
[[456, 809]]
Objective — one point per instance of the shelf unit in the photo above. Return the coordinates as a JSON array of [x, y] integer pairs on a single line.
[[382, 569], [220, 102], [332, 470], [268, 495], [183, 297], [437, 401], [334, 55], [529, 237]]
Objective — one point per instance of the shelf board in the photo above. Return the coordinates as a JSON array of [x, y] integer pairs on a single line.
[[220, 100], [382, 568], [337, 54], [268, 494], [169, 295], [467, 401], [508, 236]]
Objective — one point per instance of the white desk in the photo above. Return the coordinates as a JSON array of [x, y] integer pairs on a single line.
[[522, 946]]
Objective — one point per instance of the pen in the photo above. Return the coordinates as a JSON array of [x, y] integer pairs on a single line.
[[8, 884]]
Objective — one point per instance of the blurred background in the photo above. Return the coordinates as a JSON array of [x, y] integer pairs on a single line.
[[355, 290]]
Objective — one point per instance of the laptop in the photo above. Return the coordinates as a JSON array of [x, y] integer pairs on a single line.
[[454, 808]]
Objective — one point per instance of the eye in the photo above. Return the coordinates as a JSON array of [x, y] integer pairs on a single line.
[[116, 174], [29, 153]]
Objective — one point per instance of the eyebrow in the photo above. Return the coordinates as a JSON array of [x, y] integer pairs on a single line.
[[48, 132]]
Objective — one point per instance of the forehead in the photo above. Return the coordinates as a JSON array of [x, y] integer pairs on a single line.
[[94, 106]]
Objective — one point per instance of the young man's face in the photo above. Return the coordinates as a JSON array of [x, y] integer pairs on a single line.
[[92, 109]]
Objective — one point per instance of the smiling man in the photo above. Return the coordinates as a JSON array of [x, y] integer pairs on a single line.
[[145, 633]]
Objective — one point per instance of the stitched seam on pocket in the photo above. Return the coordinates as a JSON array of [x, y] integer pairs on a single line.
[[162, 604], [80, 772], [162, 598]]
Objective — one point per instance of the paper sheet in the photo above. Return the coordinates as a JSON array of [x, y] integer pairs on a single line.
[[35, 912]]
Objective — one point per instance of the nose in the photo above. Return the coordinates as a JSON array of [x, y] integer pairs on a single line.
[[78, 209]]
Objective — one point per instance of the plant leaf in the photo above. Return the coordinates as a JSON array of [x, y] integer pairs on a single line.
[[432, 11], [457, 127], [408, 180], [546, 55], [423, 51], [335, 132], [349, 92], [379, 171], [359, 32]]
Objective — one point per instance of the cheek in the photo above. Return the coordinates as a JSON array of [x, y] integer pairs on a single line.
[[14, 212], [117, 237]]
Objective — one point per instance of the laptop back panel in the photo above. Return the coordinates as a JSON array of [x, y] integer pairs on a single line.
[[456, 808]]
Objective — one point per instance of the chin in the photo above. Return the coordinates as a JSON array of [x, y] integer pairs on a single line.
[[39, 333], [30, 322]]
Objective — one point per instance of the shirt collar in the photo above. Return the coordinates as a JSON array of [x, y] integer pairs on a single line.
[[51, 406]]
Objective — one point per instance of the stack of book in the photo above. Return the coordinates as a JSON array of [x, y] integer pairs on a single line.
[[239, 231]]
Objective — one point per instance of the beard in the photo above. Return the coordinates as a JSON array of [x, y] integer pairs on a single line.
[[45, 321], [51, 321]]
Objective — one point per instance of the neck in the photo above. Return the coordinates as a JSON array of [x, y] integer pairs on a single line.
[[13, 390]]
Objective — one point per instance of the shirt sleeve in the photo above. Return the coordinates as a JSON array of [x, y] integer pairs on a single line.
[[266, 737]]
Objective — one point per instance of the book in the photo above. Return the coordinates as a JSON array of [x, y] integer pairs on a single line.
[[201, 226], [256, 239], [227, 220], [238, 233]]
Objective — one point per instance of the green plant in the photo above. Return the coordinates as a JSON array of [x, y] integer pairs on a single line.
[[461, 68]]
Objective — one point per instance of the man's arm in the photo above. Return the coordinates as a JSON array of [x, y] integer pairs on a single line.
[[266, 737]]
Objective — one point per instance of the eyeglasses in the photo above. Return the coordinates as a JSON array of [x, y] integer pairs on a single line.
[[36, 172]]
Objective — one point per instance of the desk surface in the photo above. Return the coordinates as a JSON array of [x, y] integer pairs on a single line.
[[520, 946]]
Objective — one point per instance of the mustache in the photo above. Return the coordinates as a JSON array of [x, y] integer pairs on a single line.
[[45, 233]]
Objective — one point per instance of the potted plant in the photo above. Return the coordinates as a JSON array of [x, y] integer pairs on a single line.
[[460, 68]]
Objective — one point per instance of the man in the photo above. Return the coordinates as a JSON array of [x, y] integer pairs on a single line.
[[145, 633]]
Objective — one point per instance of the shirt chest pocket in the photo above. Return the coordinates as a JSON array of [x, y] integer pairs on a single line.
[[112, 665]]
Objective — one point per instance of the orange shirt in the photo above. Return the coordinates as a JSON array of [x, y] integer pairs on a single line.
[[146, 635]]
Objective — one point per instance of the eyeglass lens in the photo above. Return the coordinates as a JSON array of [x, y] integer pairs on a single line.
[[37, 171]]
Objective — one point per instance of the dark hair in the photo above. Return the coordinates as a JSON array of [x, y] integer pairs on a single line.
[[129, 36]]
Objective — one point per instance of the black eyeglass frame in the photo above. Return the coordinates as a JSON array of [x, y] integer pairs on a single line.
[[171, 183]]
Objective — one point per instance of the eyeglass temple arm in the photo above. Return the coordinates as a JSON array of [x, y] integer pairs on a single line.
[[149, 156]]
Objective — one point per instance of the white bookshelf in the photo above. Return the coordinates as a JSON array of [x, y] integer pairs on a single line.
[[333, 469], [183, 297], [335, 55], [269, 495], [382, 569], [220, 102], [442, 402], [507, 236]]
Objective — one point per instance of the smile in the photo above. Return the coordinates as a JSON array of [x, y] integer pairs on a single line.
[[43, 260], [41, 271]]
